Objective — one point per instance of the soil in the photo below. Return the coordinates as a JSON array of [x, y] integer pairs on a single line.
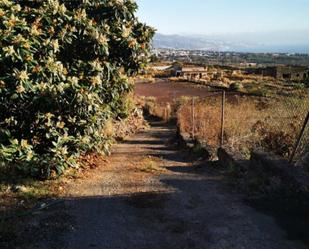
[[166, 91], [150, 195]]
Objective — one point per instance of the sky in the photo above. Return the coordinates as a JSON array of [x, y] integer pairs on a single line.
[[226, 16]]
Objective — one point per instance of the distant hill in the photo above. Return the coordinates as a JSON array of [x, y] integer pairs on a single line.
[[241, 43], [184, 42]]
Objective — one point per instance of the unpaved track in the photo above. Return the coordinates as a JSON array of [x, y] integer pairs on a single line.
[[125, 204]]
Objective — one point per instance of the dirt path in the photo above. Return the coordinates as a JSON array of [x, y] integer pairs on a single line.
[[150, 197]]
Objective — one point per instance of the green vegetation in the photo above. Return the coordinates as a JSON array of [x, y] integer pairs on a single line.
[[150, 165], [236, 86], [64, 68]]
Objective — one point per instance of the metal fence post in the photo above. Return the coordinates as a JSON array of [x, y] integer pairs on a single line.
[[299, 138], [222, 118], [193, 119]]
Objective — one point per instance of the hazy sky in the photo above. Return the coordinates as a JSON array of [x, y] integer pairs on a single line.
[[225, 16]]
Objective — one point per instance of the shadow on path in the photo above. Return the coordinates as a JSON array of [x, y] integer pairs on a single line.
[[178, 207]]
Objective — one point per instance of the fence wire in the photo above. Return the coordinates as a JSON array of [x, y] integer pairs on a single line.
[[269, 124]]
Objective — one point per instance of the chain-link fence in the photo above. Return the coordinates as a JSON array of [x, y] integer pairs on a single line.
[[275, 125]]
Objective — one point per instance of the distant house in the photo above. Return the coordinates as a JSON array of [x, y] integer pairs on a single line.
[[161, 68], [294, 73], [287, 72], [178, 70]]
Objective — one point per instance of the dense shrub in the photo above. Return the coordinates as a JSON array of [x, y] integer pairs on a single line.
[[236, 86], [63, 73]]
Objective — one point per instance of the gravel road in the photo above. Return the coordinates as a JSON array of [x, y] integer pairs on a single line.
[[150, 196]]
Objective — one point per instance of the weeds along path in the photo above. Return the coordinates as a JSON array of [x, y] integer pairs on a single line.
[[149, 196]]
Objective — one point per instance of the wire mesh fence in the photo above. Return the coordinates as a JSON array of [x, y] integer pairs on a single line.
[[270, 124], [301, 147]]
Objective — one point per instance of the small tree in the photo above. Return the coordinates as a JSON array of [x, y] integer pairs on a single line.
[[63, 73]]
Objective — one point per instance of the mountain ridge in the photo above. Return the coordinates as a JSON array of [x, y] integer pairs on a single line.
[[240, 43]]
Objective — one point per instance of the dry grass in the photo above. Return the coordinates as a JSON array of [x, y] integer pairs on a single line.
[[151, 165], [163, 111], [271, 124], [177, 79], [206, 118]]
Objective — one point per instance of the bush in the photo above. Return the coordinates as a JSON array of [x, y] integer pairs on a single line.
[[236, 86], [63, 74]]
